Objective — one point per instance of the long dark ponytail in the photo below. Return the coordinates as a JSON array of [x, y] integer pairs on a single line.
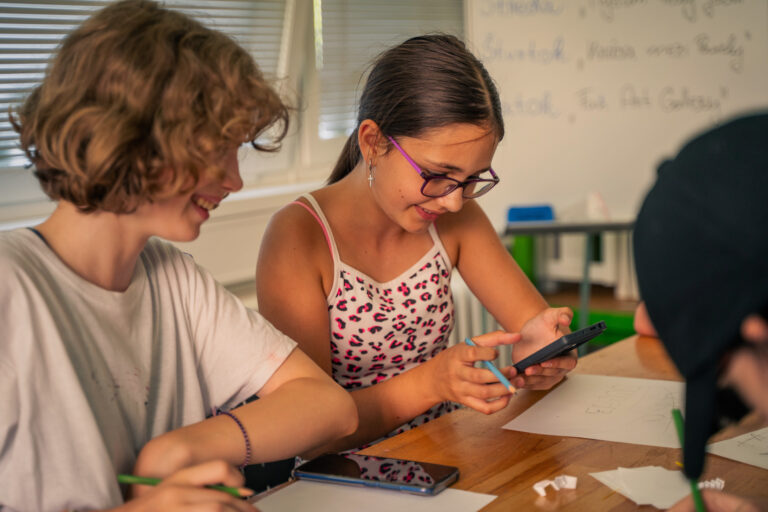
[[426, 82]]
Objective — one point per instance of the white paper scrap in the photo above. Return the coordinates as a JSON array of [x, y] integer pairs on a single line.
[[619, 409], [717, 484], [559, 482], [751, 448], [541, 487], [652, 485], [565, 482], [328, 497], [609, 479]]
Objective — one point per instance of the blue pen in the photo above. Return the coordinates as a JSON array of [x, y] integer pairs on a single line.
[[492, 367]]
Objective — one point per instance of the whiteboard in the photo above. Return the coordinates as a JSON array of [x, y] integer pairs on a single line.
[[596, 93]]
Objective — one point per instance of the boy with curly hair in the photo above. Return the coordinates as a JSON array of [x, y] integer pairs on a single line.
[[114, 345]]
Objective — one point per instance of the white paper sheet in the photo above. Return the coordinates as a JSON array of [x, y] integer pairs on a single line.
[[328, 497], [650, 485], [620, 409], [751, 448]]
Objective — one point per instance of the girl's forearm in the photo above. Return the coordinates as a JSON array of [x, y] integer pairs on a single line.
[[385, 406], [299, 415]]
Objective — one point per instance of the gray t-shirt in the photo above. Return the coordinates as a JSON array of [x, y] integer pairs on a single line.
[[88, 376]]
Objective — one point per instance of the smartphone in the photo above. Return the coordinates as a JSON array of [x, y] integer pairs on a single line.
[[561, 346], [410, 476]]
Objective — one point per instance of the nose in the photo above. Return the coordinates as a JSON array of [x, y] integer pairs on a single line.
[[452, 202], [232, 180]]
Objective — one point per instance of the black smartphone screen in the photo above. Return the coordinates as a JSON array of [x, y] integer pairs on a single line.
[[408, 475], [561, 345]]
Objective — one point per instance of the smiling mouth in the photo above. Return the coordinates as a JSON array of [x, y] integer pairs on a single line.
[[428, 213], [204, 203]]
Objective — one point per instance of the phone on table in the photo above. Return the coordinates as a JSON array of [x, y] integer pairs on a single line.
[[561, 346], [410, 476]]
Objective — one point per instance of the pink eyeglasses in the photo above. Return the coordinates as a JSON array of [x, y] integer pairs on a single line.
[[439, 186]]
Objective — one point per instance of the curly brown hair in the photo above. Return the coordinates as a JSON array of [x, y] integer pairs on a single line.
[[137, 105]]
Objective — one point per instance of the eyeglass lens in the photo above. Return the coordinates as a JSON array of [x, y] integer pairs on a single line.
[[438, 187]]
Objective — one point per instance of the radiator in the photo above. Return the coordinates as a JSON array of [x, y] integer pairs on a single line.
[[472, 319]]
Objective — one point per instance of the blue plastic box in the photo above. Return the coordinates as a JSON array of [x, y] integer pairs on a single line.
[[536, 212]]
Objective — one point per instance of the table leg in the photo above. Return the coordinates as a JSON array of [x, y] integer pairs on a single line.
[[584, 289]]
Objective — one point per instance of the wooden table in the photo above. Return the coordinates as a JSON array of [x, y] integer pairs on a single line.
[[507, 463]]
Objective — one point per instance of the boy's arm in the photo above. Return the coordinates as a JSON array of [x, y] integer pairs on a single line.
[[299, 408]]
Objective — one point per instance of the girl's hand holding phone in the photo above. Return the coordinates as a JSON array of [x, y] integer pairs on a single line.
[[536, 333], [453, 376]]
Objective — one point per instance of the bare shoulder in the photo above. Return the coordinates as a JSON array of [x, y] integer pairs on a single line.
[[294, 251], [293, 228]]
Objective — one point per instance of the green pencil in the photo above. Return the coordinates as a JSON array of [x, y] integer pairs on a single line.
[[145, 480], [695, 493]]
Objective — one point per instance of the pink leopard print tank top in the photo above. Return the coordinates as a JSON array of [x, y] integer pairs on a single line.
[[379, 330]]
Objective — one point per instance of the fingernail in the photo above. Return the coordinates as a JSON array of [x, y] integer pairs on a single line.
[[245, 492]]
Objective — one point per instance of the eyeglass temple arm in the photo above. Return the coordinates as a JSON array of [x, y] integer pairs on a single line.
[[418, 169], [405, 155]]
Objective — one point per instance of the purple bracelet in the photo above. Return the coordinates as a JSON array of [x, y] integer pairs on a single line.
[[245, 436]]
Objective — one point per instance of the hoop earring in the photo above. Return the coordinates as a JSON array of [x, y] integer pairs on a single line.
[[370, 174]]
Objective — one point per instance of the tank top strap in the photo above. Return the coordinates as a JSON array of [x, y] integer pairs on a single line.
[[319, 216], [439, 246]]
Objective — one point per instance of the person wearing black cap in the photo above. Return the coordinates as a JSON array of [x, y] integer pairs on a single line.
[[701, 252]]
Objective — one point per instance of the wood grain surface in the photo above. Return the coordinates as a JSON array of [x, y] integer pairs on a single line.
[[507, 463]]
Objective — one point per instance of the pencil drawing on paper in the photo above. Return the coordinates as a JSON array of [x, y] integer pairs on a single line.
[[756, 441], [612, 398], [750, 448], [660, 413], [620, 409]]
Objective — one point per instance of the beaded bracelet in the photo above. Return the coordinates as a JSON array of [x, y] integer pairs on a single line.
[[245, 436]]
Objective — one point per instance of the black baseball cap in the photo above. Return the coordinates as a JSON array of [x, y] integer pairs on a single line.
[[701, 255]]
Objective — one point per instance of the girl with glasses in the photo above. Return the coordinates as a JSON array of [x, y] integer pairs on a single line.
[[359, 271]]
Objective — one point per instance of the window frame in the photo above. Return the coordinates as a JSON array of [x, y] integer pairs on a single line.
[[303, 163]]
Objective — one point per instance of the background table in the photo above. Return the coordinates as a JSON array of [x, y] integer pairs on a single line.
[[588, 228], [507, 463]]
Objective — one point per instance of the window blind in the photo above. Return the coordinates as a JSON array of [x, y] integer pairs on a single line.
[[31, 31], [354, 32]]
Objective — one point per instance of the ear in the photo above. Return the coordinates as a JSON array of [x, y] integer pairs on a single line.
[[371, 141], [754, 329]]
